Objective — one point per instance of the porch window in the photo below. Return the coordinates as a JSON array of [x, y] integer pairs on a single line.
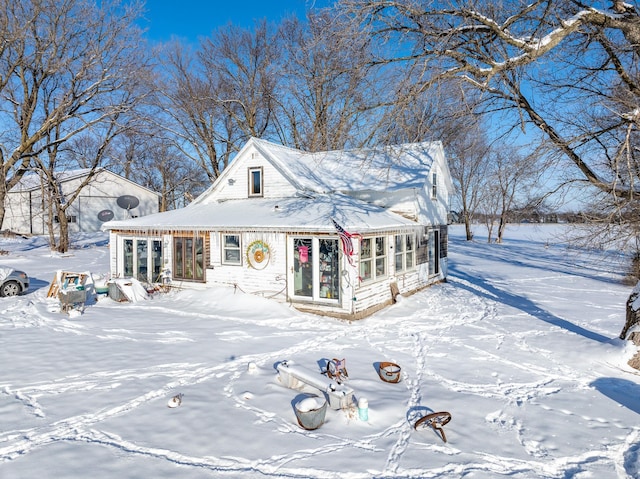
[[373, 258], [316, 269], [142, 259], [188, 258], [255, 181], [231, 252], [128, 258], [142, 265], [405, 252]]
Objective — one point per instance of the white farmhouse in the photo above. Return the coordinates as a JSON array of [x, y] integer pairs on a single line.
[[107, 196], [338, 233]]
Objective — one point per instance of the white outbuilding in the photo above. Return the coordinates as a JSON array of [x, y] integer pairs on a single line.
[[106, 196], [340, 233]]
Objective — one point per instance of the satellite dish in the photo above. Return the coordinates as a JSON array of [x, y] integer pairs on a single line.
[[127, 202], [105, 215]]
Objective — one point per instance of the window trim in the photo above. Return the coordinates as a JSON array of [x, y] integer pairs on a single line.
[[224, 248], [151, 276], [373, 259], [404, 267], [199, 270], [323, 271], [251, 171]]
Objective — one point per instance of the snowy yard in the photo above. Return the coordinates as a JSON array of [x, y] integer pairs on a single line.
[[520, 346]]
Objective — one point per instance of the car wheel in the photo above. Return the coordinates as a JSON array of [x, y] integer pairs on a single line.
[[10, 288]]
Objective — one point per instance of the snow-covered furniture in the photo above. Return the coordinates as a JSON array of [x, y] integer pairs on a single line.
[[294, 376]]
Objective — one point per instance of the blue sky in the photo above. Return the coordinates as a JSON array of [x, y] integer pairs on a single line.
[[191, 19]]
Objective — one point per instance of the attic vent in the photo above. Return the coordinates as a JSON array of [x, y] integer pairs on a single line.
[[254, 155]]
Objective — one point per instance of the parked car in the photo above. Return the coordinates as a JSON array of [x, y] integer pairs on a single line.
[[13, 282]]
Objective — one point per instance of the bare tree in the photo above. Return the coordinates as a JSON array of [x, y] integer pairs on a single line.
[[245, 66], [445, 113], [469, 164], [565, 68], [14, 51], [78, 71], [53, 164], [489, 207], [216, 97], [189, 110], [507, 179], [168, 172], [329, 91], [514, 174], [148, 157]]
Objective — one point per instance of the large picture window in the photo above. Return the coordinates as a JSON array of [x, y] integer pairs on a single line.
[[373, 258], [188, 258]]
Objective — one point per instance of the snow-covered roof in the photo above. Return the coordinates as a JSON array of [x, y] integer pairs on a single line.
[[32, 181], [387, 168], [323, 181], [309, 214]]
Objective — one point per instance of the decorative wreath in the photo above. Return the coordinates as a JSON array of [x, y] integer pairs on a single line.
[[258, 254]]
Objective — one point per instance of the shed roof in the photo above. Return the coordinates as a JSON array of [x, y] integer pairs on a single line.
[[32, 181]]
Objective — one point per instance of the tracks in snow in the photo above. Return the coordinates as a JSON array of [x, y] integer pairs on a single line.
[[418, 341]]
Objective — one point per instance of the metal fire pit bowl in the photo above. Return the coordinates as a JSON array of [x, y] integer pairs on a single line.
[[389, 372]]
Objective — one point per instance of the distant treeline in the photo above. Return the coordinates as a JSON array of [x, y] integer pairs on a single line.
[[531, 217]]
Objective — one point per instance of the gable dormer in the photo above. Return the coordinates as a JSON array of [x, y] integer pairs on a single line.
[[251, 174]]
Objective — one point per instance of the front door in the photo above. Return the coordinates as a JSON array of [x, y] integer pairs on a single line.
[[434, 252], [314, 271]]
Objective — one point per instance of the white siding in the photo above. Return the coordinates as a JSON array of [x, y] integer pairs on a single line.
[[28, 215], [371, 294], [269, 281], [17, 215], [235, 182], [357, 299]]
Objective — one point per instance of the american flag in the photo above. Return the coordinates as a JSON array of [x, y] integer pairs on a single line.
[[345, 239]]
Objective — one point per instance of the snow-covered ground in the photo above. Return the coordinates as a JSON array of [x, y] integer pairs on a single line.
[[520, 346]]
